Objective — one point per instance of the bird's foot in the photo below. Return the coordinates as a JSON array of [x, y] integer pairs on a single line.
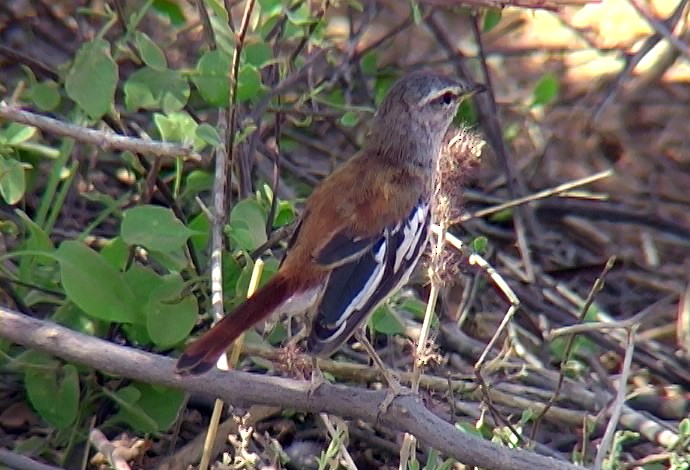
[[395, 390]]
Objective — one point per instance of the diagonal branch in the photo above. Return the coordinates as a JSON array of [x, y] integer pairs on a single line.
[[103, 139], [406, 413]]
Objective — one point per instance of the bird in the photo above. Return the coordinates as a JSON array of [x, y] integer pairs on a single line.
[[362, 231]]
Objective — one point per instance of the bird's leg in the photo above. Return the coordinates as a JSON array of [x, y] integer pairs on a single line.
[[394, 386], [317, 378]]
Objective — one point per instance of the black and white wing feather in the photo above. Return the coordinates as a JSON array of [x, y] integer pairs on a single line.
[[368, 272]]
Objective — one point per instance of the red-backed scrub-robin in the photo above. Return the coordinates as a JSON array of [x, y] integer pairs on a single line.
[[363, 229]]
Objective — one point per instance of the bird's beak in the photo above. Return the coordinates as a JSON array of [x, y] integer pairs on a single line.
[[476, 88]]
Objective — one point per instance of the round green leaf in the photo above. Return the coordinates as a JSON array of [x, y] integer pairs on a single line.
[[92, 79], [151, 54], [12, 180], [247, 224], [94, 285], [212, 77], [148, 408], [45, 95], [208, 134], [53, 391], [154, 228], [148, 88], [248, 83], [349, 119], [170, 9], [178, 127], [385, 322], [170, 317], [257, 54]]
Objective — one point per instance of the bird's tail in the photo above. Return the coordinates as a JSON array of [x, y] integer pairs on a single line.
[[201, 355]]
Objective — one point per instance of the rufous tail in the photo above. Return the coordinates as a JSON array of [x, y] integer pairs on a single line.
[[201, 355]]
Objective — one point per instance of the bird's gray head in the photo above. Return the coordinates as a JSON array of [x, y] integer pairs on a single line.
[[412, 120]]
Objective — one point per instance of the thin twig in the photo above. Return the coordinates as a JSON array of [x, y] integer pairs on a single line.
[[617, 408], [596, 288], [661, 28], [103, 139], [234, 78], [561, 188]]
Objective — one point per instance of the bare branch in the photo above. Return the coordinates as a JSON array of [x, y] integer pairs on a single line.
[[405, 414], [103, 139]]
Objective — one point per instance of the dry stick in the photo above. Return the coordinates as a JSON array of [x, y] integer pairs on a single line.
[[632, 62], [188, 455], [661, 28], [21, 462], [227, 364], [103, 139], [234, 77], [552, 5], [537, 196], [407, 451], [334, 435], [514, 305], [596, 288], [617, 407], [405, 414], [110, 451]]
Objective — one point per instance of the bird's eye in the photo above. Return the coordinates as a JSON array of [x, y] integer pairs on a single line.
[[445, 99]]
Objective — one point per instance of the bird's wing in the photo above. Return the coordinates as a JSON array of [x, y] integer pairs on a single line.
[[366, 272]]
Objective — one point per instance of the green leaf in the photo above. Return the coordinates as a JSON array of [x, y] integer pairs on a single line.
[[92, 79], [381, 87], [170, 317], [171, 9], [248, 83], [53, 391], [416, 12], [247, 225], [148, 88], [202, 232], [385, 322], [491, 19], [369, 62], [285, 214], [154, 228], [45, 95], [72, 317], [212, 78], [16, 133], [271, 7], [208, 134], [116, 252], [148, 408], [12, 180], [38, 239], [350, 119], [197, 181], [258, 54], [94, 285], [300, 16], [178, 127], [546, 90], [151, 54], [480, 244], [468, 428]]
